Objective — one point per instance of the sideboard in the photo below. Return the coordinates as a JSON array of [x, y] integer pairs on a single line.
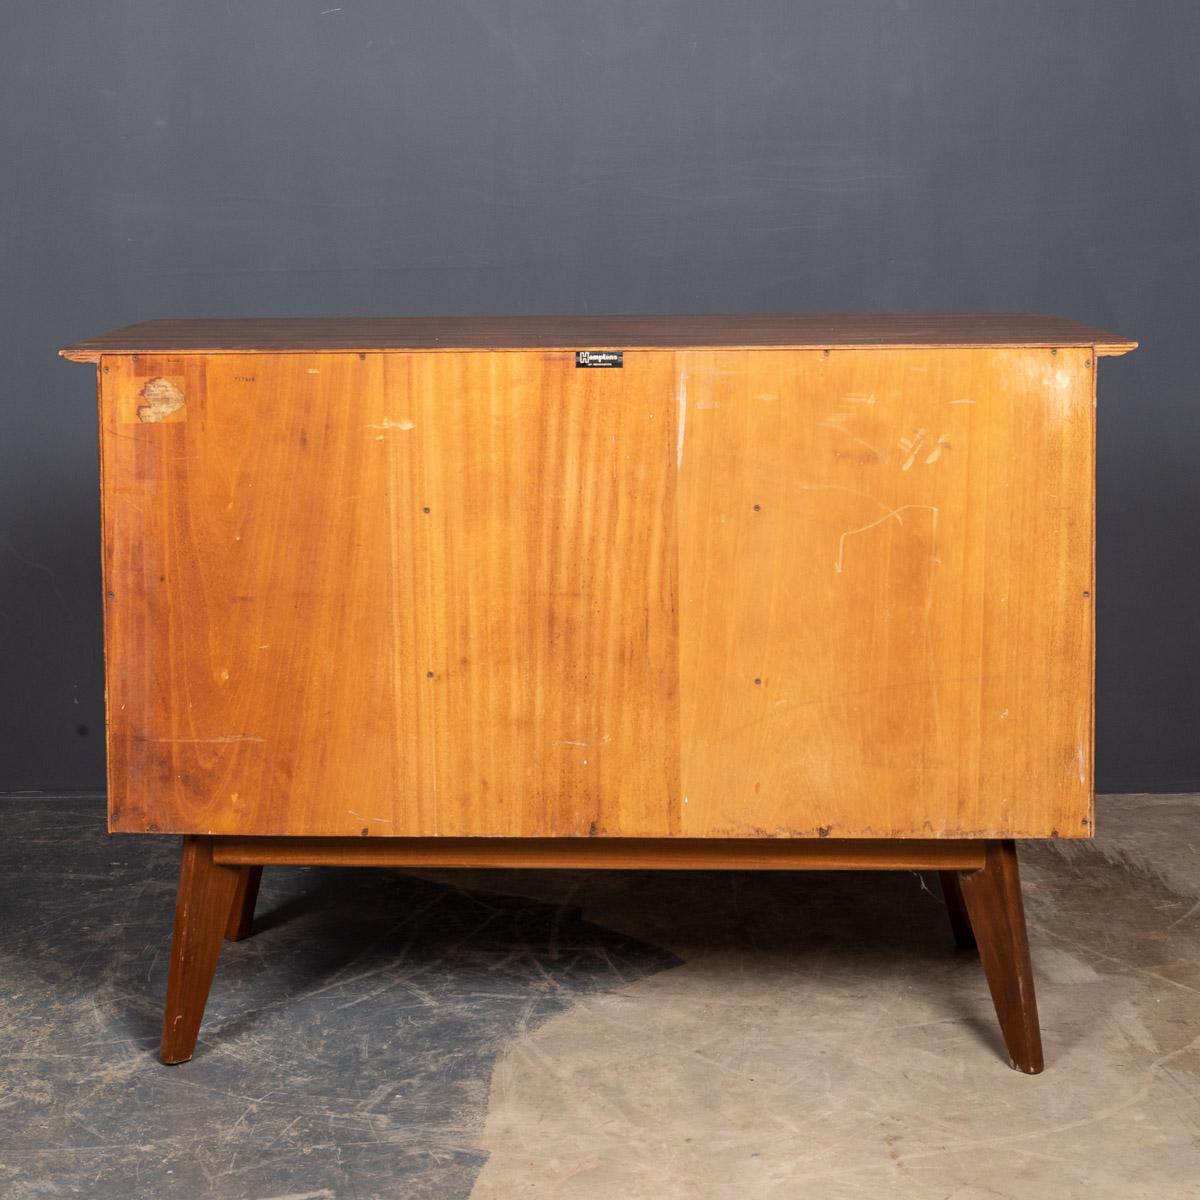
[[753, 592]]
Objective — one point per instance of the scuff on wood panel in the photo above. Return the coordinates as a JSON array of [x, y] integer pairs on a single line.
[[163, 399]]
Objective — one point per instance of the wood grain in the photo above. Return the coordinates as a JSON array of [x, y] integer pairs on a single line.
[[802, 331], [241, 912], [663, 854], [719, 594], [993, 900], [412, 594], [202, 910], [956, 910], [886, 593]]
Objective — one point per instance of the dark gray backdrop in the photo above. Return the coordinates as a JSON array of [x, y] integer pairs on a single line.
[[213, 157]]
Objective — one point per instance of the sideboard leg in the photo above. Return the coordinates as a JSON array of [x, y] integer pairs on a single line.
[[956, 910], [202, 911], [993, 900], [241, 915]]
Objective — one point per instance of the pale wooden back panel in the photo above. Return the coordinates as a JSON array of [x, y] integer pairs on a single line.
[[492, 594], [885, 593]]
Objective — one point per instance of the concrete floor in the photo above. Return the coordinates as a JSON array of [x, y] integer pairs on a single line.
[[605, 1034]]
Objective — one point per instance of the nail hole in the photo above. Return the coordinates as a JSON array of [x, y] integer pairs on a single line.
[[758, 683], [428, 674], [425, 509], [758, 508], [1054, 351]]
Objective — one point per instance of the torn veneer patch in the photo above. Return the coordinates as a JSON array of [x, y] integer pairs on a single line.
[[164, 401]]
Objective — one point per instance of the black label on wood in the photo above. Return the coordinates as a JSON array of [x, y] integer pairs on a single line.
[[599, 358]]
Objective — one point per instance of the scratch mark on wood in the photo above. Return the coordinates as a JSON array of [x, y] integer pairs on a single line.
[[389, 423], [942, 444], [838, 418], [911, 446], [682, 417], [887, 516], [220, 739]]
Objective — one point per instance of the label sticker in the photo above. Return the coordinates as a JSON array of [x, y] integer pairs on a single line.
[[599, 358]]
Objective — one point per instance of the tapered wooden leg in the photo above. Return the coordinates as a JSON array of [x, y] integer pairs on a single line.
[[993, 899], [956, 910], [241, 915], [202, 911]]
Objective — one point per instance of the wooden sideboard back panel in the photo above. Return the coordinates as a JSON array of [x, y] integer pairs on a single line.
[[707, 594], [886, 593]]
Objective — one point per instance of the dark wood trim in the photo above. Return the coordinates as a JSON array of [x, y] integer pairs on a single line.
[[241, 914], [993, 900], [202, 909], [770, 854], [219, 877], [758, 331], [956, 910]]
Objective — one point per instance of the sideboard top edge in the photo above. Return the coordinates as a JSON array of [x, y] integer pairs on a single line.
[[274, 335]]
